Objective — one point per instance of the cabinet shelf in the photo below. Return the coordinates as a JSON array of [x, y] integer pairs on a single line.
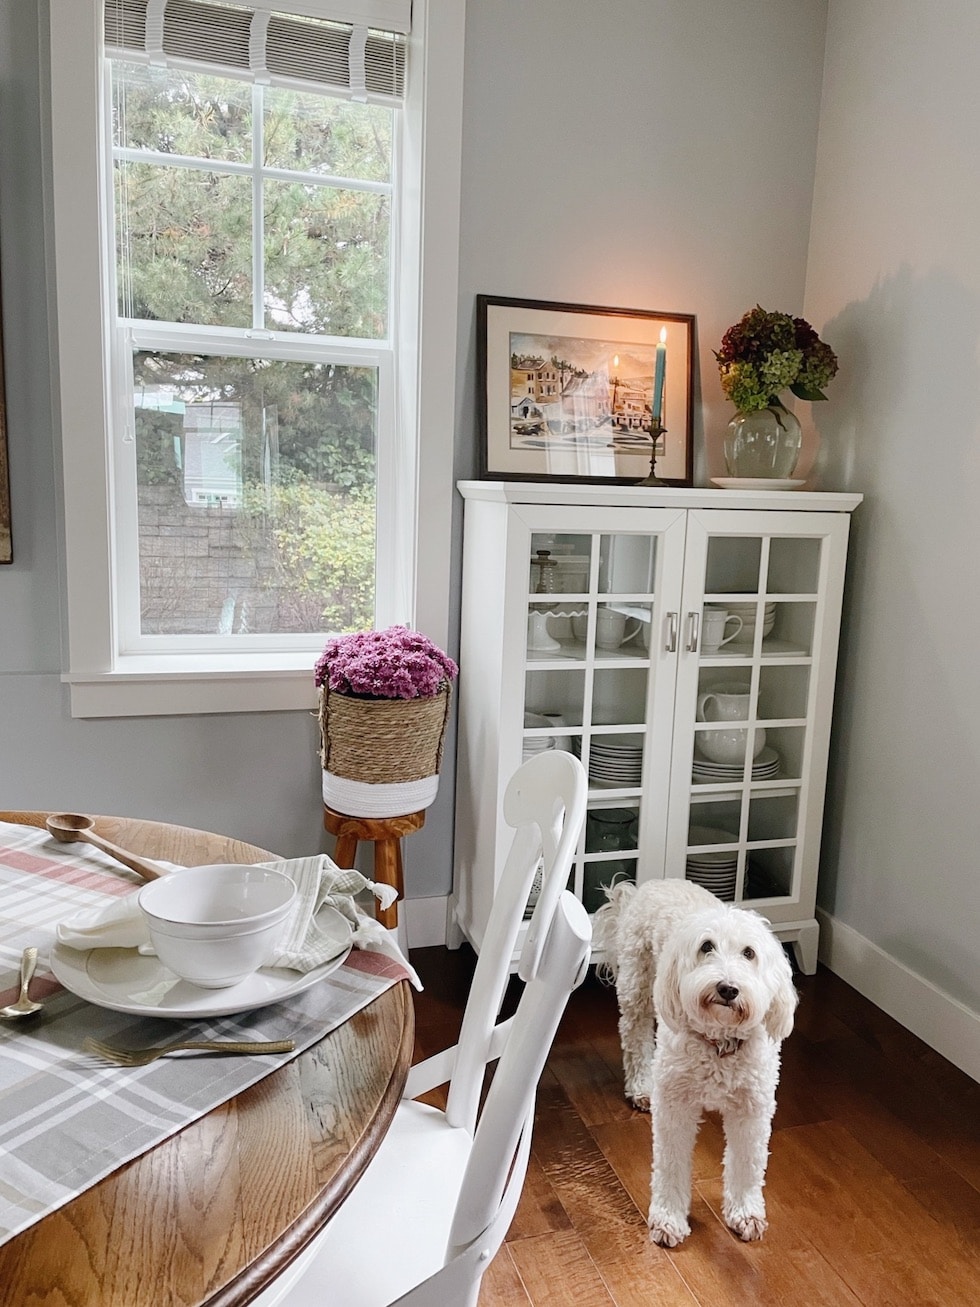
[[705, 791]]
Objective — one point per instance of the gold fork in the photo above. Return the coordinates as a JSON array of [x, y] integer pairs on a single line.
[[141, 1056]]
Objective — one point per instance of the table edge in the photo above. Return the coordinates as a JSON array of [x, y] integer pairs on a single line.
[[261, 1273]]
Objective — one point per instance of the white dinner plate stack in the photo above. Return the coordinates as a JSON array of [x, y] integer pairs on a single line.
[[713, 871], [534, 744], [764, 768], [615, 760]]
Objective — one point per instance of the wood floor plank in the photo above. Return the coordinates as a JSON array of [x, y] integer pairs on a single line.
[[827, 1182], [540, 1210], [784, 1269], [950, 1126], [593, 1087], [502, 1285], [902, 1277], [645, 1282], [557, 1271], [627, 1146], [608, 1221]]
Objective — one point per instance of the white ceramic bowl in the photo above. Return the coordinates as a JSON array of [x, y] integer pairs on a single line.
[[729, 746], [215, 925]]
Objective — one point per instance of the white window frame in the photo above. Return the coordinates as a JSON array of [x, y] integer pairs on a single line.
[[103, 680]]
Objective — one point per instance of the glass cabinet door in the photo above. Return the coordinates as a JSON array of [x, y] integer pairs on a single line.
[[599, 669], [758, 650]]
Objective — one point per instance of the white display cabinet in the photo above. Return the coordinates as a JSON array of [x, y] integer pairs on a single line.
[[582, 610]]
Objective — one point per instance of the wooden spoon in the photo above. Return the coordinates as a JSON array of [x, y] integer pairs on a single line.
[[72, 827]]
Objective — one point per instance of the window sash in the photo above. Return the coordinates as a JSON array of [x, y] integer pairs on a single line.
[[134, 336], [255, 342]]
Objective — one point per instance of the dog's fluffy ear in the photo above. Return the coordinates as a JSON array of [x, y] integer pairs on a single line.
[[778, 1020], [667, 986]]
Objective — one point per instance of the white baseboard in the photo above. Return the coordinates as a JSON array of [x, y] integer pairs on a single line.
[[425, 921], [940, 1020]]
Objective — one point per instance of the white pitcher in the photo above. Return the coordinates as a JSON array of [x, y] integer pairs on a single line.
[[727, 703]]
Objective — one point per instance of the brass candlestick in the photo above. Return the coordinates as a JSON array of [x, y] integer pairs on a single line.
[[656, 431]]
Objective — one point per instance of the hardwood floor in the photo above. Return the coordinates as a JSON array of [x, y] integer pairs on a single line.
[[873, 1189]]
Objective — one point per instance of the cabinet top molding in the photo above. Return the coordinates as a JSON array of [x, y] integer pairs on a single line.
[[533, 492]]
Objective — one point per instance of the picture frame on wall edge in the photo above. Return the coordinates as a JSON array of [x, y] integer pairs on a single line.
[[6, 545], [567, 392]]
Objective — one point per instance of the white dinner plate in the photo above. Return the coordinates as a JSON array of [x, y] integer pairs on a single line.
[[756, 483], [767, 757], [127, 981]]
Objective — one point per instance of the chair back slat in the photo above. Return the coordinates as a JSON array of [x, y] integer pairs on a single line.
[[545, 801], [510, 1101]]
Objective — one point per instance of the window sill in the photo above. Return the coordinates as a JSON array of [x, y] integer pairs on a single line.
[[154, 686]]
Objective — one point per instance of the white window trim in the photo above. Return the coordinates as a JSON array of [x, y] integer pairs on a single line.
[[102, 682]]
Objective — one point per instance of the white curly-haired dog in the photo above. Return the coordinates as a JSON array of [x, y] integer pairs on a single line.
[[706, 997]]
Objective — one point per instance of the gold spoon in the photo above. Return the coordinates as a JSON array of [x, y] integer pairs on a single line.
[[72, 827], [24, 1006]]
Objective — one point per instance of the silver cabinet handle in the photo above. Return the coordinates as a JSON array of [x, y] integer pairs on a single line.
[[670, 644], [693, 632]]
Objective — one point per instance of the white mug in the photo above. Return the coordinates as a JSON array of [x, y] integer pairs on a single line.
[[611, 628], [714, 625]]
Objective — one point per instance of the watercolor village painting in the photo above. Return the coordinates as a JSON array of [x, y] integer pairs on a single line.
[[595, 394]]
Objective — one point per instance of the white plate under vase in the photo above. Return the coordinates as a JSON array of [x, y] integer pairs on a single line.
[[758, 483]]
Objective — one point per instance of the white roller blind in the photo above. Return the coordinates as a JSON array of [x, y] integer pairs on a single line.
[[313, 43]]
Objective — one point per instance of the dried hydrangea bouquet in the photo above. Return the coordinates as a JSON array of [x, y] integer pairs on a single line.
[[763, 354]]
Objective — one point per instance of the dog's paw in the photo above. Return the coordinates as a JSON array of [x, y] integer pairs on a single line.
[[749, 1226], [667, 1228], [640, 1101]]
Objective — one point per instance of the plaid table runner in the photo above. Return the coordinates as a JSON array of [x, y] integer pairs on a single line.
[[66, 1119]]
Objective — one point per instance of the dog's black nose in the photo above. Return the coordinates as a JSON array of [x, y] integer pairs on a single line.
[[727, 992]]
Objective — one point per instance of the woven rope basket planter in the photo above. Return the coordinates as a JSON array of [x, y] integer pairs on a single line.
[[381, 757]]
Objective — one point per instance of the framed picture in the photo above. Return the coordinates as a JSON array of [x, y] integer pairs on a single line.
[[569, 392]]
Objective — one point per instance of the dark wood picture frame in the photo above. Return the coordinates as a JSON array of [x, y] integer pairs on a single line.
[[565, 392]]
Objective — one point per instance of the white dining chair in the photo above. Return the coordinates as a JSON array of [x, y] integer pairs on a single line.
[[432, 1209]]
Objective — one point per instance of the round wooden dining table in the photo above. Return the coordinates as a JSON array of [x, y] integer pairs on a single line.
[[211, 1215]]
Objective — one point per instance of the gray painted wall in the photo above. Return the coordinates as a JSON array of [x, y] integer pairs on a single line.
[[894, 274], [648, 156]]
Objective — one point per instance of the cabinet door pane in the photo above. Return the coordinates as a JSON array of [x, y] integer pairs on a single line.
[[749, 712], [596, 674]]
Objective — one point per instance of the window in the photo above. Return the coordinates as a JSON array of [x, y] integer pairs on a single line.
[[242, 171]]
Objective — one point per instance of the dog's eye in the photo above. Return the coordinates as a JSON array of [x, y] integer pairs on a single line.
[[707, 947], [748, 954]]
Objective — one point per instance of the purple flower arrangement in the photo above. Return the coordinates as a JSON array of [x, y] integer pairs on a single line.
[[393, 664]]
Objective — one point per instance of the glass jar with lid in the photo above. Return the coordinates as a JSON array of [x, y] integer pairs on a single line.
[[544, 572]]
